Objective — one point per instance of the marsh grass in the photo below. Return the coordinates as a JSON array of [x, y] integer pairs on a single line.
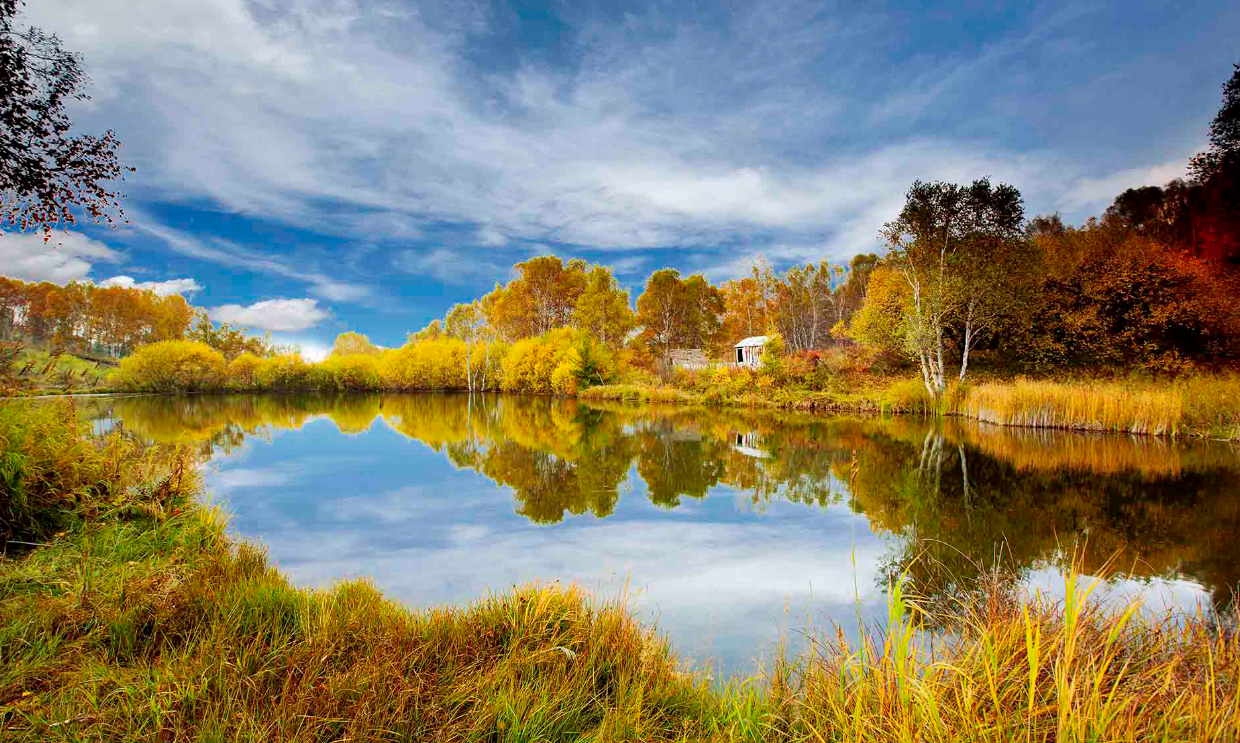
[[149, 624], [1195, 406]]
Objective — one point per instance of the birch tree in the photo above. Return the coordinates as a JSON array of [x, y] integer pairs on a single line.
[[953, 245]]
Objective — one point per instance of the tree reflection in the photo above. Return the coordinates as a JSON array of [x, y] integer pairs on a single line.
[[957, 495]]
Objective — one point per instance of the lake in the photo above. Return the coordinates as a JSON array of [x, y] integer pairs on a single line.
[[726, 529]]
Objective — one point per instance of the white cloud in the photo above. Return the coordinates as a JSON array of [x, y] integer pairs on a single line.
[[273, 314], [67, 257], [162, 288]]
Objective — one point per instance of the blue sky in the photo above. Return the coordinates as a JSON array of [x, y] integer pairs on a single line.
[[312, 166]]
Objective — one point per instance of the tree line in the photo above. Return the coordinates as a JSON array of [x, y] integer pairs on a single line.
[[82, 317]]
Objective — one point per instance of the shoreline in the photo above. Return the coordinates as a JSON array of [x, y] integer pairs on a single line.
[[1140, 421]]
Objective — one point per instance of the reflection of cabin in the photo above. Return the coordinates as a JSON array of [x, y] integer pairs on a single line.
[[688, 358], [748, 444], [749, 351]]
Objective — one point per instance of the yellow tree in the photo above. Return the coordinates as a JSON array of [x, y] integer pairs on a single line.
[[603, 308], [541, 298], [350, 343]]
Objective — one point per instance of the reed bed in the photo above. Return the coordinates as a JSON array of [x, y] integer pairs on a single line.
[[1207, 407], [639, 393], [150, 624], [1025, 670]]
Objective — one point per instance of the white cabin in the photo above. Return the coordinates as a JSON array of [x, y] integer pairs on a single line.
[[749, 351]]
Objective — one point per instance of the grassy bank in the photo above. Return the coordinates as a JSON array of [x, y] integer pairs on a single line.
[[141, 620], [1206, 407]]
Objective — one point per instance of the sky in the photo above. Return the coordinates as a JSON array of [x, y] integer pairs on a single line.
[[307, 167]]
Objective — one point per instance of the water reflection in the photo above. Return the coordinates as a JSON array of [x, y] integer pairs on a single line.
[[721, 516]]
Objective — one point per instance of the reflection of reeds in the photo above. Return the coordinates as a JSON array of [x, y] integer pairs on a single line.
[[1097, 453]]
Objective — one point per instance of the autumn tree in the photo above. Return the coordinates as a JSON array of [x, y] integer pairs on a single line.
[[679, 313], [230, 340], [350, 343], [47, 175], [744, 303], [960, 248], [879, 323], [603, 308], [805, 304], [851, 296], [541, 298], [432, 331], [13, 302]]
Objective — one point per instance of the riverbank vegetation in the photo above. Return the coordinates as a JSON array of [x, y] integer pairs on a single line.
[[141, 620]]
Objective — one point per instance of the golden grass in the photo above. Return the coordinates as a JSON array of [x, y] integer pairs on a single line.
[[1201, 406]]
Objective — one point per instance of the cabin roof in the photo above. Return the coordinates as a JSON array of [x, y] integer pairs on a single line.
[[753, 340]]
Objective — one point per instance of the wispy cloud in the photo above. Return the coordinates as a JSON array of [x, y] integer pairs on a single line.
[[789, 122], [447, 266], [226, 253]]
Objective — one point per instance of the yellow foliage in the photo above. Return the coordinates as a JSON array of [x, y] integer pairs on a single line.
[[532, 362], [355, 371], [243, 371], [170, 366], [286, 372], [430, 364]]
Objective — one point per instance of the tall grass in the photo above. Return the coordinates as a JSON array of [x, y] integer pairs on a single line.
[[1199, 406], [51, 468], [1034, 669]]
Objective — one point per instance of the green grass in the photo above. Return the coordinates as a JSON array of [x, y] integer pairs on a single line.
[[143, 621], [62, 372]]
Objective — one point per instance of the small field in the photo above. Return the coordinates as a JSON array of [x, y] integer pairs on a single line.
[[64, 372]]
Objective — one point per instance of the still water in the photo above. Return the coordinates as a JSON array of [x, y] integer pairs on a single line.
[[728, 529]]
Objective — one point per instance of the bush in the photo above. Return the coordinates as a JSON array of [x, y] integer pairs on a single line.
[[287, 372], [532, 361], [171, 366], [353, 372], [242, 372], [428, 364]]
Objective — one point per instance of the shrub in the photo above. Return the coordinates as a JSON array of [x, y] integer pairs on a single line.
[[531, 362], [353, 372], [428, 364], [286, 372], [242, 373], [170, 366]]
